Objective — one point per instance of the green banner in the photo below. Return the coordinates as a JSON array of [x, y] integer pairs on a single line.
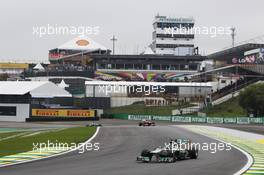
[[242, 120], [189, 119], [161, 118], [215, 120], [120, 116], [256, 120], [199, 119], [139, 117], [181, 119], [230, 120]]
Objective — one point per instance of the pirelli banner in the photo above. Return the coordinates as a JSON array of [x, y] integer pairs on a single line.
[[62, 113]]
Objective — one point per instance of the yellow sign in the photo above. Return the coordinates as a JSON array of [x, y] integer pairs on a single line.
[[62, 113], [45, 112], [13, 65]]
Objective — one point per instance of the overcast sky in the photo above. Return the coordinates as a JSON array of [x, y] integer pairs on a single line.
[[130, 20]]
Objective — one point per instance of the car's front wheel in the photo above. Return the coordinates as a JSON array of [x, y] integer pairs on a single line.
[[146, 153]]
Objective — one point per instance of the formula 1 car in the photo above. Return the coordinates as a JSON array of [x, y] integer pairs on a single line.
[[146, 123], [178, 149], [93, 124]]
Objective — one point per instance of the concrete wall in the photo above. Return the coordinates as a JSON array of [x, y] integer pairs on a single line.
[[22, 112]]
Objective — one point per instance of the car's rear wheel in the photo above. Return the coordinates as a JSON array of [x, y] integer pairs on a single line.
[[193, 154]]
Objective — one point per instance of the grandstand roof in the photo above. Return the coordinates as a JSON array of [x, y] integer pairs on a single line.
[[235, 51], [140, 83], [37, 89], [82, 43]]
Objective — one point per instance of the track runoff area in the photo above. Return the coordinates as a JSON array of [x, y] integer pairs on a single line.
[[228, 151]]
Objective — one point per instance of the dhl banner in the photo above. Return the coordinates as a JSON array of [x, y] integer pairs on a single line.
[[62, 113]]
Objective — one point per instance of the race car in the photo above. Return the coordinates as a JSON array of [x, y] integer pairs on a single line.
[[93, 124], [146, 123], [178, 149]]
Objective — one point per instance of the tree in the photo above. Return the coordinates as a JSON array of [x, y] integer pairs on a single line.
[[252, 99]]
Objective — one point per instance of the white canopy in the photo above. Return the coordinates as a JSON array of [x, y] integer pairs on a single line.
[[63, 84], [82, 43], [148, 51], [39, 67], [37, 89]]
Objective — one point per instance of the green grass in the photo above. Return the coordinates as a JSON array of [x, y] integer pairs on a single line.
[[230, 108], [24, 144], [141, 109]]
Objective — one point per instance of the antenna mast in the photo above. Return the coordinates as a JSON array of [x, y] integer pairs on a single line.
[[233, 34]]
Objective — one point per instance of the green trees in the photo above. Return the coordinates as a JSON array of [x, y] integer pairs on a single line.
[[252, 99]]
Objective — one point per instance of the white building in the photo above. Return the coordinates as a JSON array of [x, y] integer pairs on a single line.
[[173, 36], [16, 96], [120, 94]]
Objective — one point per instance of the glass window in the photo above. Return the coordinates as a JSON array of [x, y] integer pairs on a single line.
[[7, 111]]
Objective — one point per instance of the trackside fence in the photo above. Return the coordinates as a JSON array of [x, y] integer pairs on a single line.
[[192, 119]]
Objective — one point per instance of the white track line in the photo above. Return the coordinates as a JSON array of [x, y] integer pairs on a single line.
[[59, 154], [249, 162]]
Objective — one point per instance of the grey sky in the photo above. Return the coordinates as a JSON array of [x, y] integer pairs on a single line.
[[129, 20]]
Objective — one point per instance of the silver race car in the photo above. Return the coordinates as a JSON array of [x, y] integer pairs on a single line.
[[178, 149]]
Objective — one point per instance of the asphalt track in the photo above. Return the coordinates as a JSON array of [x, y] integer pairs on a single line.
[[119, 146]]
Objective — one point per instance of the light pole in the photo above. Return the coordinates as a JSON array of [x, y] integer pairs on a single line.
[[113, 39], [233, 34]]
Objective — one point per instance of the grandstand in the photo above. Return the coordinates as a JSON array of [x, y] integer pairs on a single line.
[[83, 60]]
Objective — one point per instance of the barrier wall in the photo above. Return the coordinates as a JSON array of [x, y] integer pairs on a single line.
[[193, 119]]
